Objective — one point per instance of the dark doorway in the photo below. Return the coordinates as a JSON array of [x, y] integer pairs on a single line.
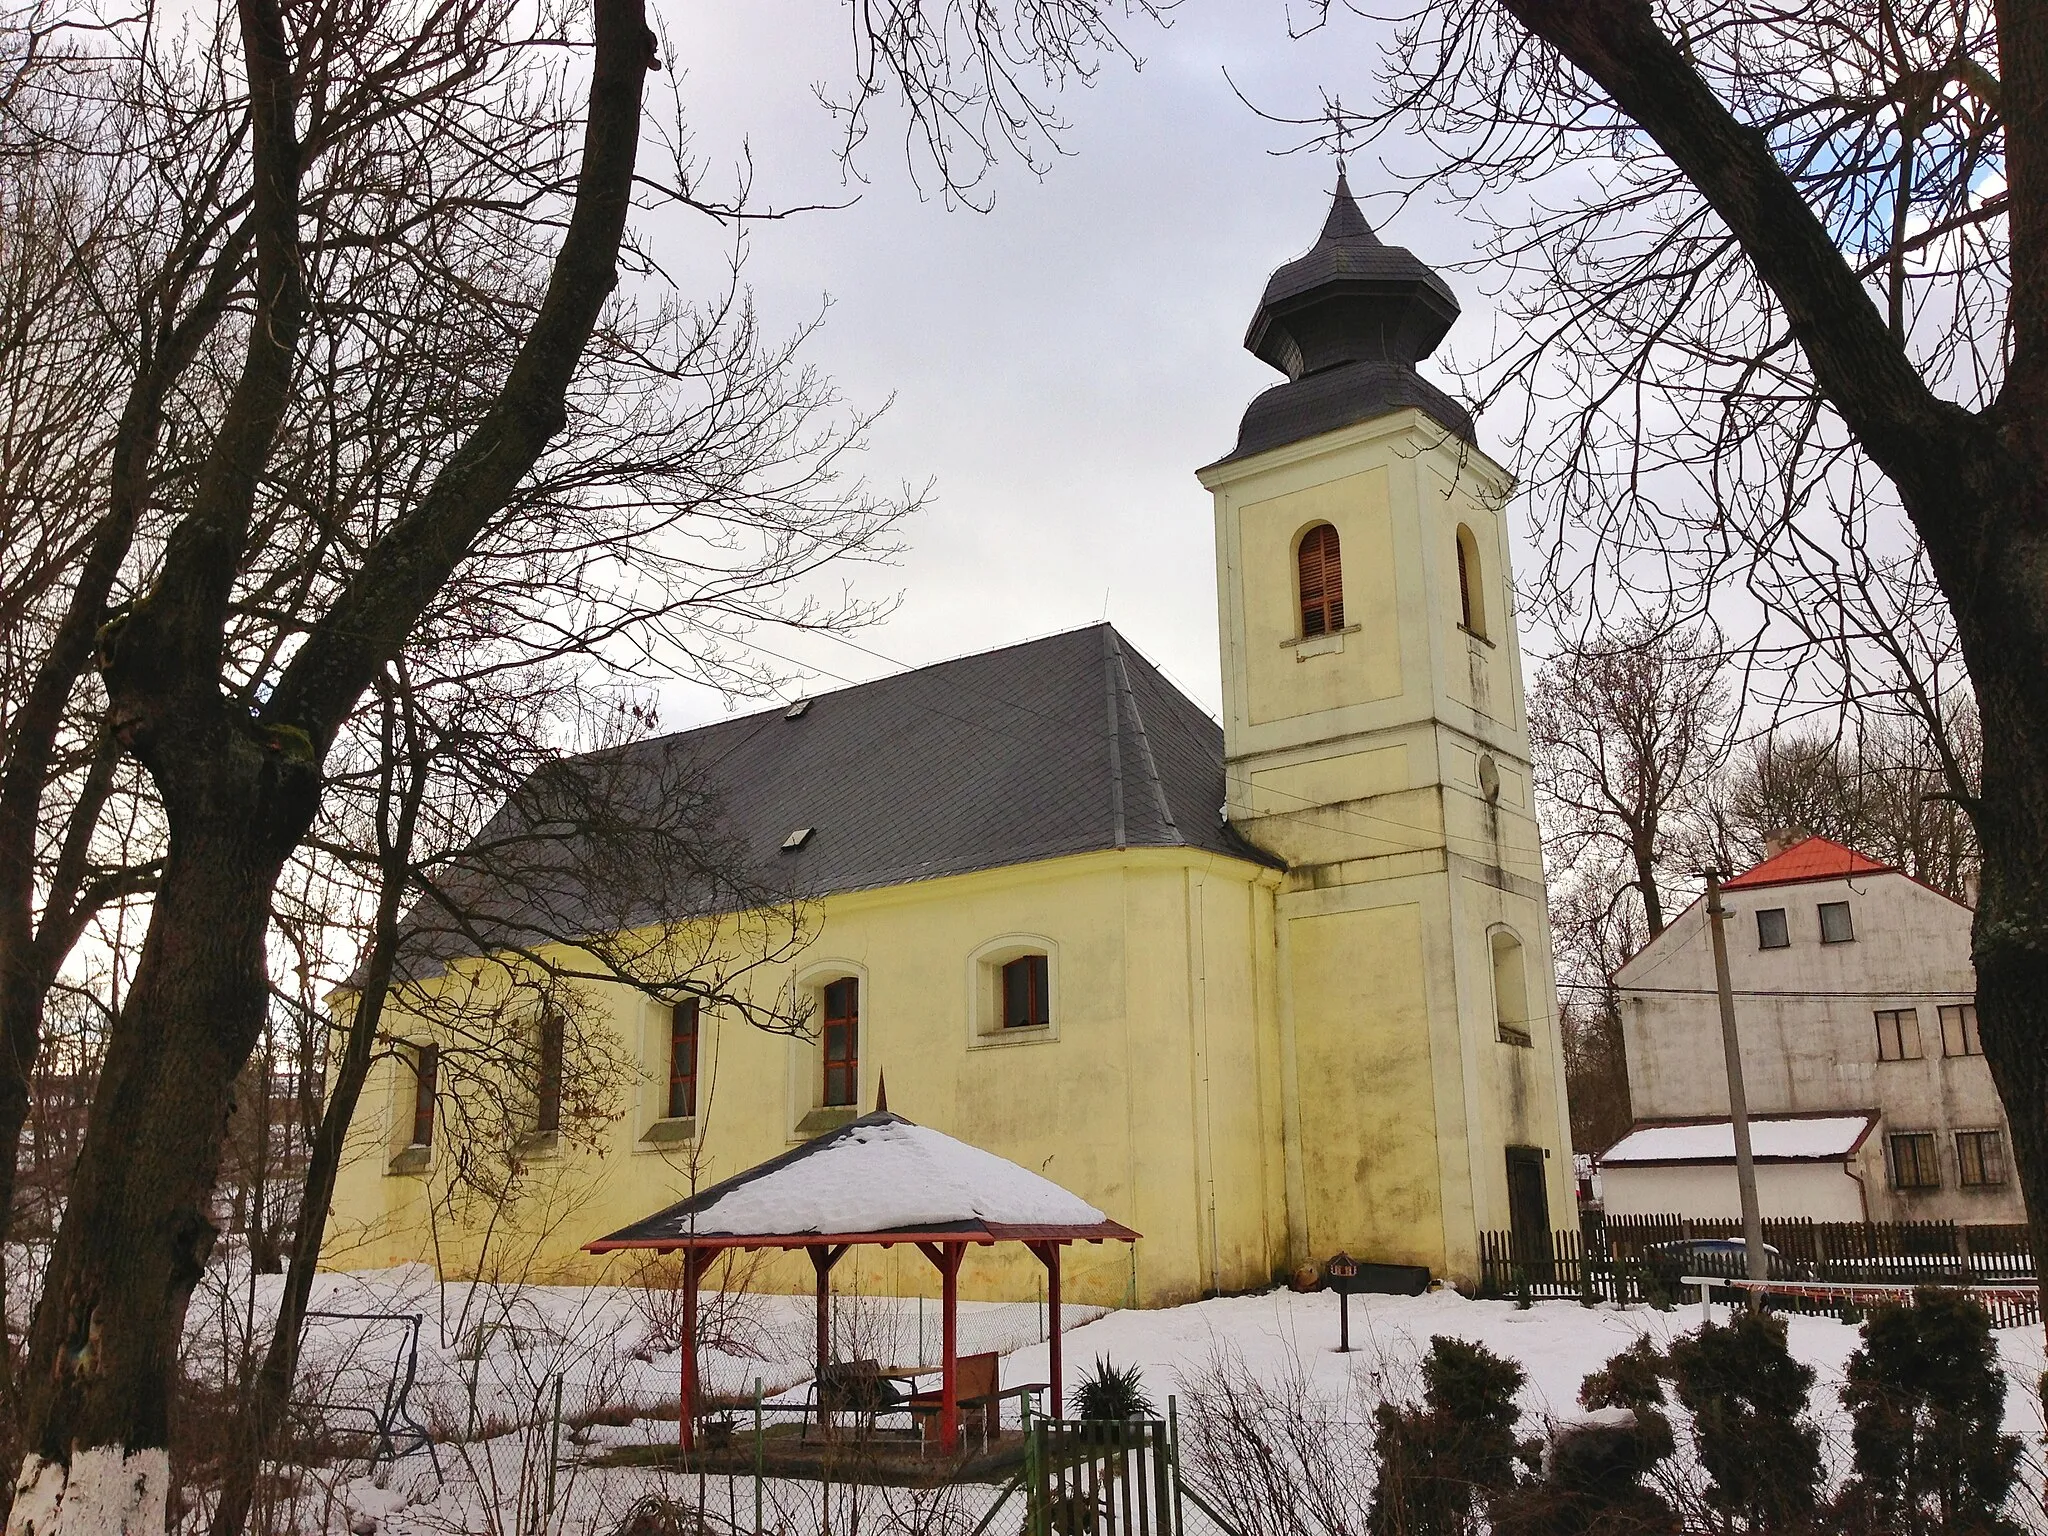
[[1528, 1203]]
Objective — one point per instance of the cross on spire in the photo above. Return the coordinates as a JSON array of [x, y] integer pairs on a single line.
[[1340, 129]]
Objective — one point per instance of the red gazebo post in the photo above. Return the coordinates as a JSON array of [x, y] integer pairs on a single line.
[[695, 1262], [823, 1257], [947, 1257], [1049, 1255]]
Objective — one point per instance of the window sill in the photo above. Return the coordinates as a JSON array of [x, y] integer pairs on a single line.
[[541, 1146], [1022, 1034], [1515, 1037], [1473, 634], [1292, 641], [413, 1160], [1308, 647], [675, 1131], [821, 1120]]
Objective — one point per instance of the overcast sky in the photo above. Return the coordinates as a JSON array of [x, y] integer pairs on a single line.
[[1062, 364]]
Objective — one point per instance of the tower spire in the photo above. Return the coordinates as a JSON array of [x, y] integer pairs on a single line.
[[1347, 322]]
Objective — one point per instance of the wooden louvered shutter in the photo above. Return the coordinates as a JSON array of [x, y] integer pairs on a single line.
[[1322, 582]]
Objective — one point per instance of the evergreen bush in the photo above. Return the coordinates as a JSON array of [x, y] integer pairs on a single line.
[[1928, 1401], [1747, 1397], [1592, 1482], [1441, 1461]]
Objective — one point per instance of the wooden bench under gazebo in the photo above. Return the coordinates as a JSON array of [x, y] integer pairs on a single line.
[[875, 1182]]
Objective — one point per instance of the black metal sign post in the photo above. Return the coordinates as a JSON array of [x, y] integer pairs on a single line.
[[1340, 1274]]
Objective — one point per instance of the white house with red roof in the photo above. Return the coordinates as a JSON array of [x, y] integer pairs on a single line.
[[1868, 1091]]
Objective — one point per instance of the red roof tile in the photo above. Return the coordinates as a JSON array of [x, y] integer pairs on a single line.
[[1811, 858]]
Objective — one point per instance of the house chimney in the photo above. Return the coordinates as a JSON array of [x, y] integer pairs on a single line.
[[1778, 839]]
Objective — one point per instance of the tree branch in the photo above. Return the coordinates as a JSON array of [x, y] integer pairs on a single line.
[[1919, 440], [406, 567]]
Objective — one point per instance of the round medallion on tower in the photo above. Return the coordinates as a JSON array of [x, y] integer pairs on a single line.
[[1347, 323]]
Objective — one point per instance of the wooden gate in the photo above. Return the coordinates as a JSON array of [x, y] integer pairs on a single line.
[[1093, 1478]]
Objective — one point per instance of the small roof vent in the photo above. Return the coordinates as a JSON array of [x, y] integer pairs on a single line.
[[796, 710], [797, 839]]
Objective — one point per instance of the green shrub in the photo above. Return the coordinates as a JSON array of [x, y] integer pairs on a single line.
[[1110, 1393], [1441, 1461], [1592, 1482], [1747, 1397], [1928, 1398]]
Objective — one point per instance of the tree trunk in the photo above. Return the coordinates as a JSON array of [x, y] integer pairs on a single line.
[[137, 1231], [2010, 936], [1644, 852], [255, 1435]]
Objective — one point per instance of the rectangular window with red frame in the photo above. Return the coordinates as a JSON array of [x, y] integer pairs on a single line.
[[842, 1043], [426, 1069], [1025, 1003], [682, 1061]]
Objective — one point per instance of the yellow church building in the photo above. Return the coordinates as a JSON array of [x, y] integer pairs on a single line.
[[1260, 991]]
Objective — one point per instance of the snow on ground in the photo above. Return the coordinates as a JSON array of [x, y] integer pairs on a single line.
[[489, 1357]]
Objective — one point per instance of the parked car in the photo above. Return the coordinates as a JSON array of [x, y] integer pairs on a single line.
[[1671, 1262]]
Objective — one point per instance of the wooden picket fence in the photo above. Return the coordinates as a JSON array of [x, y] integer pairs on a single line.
[[1615, 1259]]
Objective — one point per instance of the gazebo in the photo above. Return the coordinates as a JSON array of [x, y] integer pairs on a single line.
[[877, 1181]]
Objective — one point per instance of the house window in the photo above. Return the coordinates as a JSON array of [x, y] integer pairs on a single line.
[[426, 1071], [1771, 931], [1980, 1157], [1898, 1034], [682, 1061], [1835, 927], [1322, 582], [1915, 1164], [1471, 596], [842, 1042], [547, 1119], [1026, 1000], [1959, 1030]]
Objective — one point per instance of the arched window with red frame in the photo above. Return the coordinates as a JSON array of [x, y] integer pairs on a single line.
[[1321, 570]]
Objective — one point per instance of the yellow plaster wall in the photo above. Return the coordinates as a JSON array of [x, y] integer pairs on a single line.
[[1149, 1097], [1358, 761], [1279, 683], [1369, 1148]]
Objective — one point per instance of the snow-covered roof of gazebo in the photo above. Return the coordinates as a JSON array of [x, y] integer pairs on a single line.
[[880, 1177]]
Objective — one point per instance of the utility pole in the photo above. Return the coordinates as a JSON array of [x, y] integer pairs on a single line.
[[1738, 1102]]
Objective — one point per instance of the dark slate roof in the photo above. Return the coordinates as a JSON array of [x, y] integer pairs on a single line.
[[1064, 745], [1347, 323], [1342, 397]]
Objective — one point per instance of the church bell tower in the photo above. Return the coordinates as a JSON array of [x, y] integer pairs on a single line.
[[1376, 739]]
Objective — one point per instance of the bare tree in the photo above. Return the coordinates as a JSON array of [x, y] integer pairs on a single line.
[[1593, 937], [1880, 789], [1628, 727], [1784, 320], [431, 186]]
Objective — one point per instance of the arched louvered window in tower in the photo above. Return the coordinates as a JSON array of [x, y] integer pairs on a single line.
[[1322, 582]]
